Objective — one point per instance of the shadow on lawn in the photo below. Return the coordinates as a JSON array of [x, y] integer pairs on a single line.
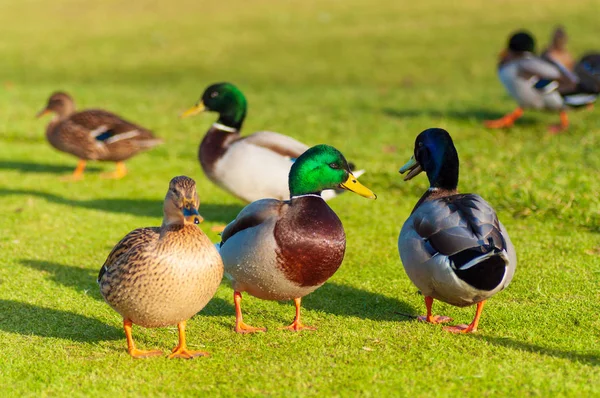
[[83, 281], [350, 301], [28, 319], [220, 213], [31, 167], [588, 359], [477, 114]]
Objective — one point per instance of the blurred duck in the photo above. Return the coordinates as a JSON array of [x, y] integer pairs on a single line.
[[94, 134], [284, 250], [557, 51], [536, 83], [252, 167], [452, 246], [157, 277]]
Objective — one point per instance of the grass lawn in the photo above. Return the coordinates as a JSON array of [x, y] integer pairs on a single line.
[[365, 76]]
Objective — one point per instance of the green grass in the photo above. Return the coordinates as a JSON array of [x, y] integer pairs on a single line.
[[364, 76]]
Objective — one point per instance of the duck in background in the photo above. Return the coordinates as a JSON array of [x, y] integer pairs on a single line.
[[157, 277], [453, 247], [252, 167], [536, 83], [284, 250], [94, 134]]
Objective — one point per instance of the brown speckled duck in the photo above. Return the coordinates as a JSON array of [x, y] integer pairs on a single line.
[[284, 250], [156, 277], [94, 134]]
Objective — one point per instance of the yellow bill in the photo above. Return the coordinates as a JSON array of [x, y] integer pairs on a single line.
[[413, 167], [352, 184], [43, 112], [194, 110]]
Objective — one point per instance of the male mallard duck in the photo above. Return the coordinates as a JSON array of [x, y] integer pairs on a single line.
[[157, 277], [283, 250], [537, 83], [252, 167], [452, 246], [94, 134]]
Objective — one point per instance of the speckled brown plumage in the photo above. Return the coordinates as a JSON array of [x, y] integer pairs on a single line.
[[94, 134], [162, 276]]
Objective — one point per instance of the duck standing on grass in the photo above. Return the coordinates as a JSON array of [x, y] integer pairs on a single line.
[[284, 250], [452, 246], [536, 83], [94, 134], [157, 277], [252, 167]]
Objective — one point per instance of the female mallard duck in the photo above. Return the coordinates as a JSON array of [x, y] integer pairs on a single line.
[[94, 134], [157, 277], [283, 250], [452, 246], [536, 83], [252, 167]]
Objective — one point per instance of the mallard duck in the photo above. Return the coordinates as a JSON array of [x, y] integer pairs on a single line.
[[284, 250], [252, 167], [452, 246], [94, 134], [536, 83], [156, 277]]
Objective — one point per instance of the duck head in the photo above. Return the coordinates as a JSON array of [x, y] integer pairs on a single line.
[[181, 203], [519, 43], [225, 99], [59, 103], [324, 167], [435, 154]]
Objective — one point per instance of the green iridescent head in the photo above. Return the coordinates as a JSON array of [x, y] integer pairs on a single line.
[[323, 167], [225, 99]]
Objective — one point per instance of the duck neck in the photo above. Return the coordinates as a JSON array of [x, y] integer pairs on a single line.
[[234, 117]]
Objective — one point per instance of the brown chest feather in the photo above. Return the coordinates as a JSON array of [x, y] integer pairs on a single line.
[[213, 147], [311, 242]]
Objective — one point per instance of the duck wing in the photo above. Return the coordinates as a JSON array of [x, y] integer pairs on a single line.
[[136, 238], [278, 143], [464, 230], [252, 215]]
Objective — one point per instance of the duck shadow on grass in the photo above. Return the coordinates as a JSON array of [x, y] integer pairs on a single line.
[[477, 114], [29, 319], [214, 212], [37, 167], [588, 359], [349, 301], [83, 281]]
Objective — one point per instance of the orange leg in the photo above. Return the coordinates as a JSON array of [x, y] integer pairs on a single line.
[[562, 127], [134, 352], [467, 328], [505, 121], [120, 172], [296, 326], [240, 326], [181, 350], [435, 319], [78, 173]]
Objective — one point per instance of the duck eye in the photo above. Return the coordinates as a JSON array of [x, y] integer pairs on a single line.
[[214, 94], [420, 144], [334, 166]]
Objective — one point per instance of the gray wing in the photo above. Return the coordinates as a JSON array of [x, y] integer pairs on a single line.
[[455, 223], [252, 215], [535, 66], [279, 143]]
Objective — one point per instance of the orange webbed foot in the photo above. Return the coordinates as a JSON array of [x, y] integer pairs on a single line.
[[120, 172], [460, 329], [297, 326], [183, 352], [435, 319], [243, 328], [498, 123], [139, 354]]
